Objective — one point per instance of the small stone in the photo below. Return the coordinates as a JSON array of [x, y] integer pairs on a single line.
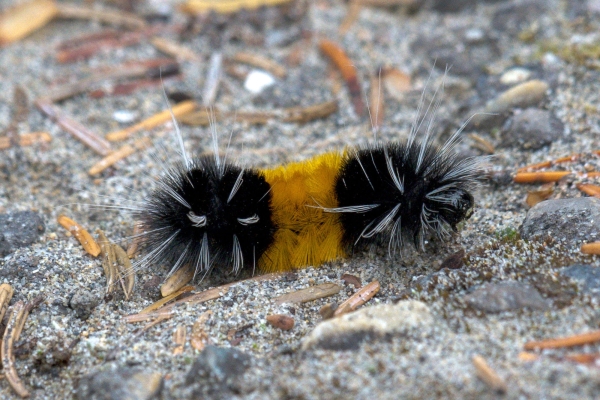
[[84, 302], [513, 17], [120, 383], [514, 76], [506, 296], [257, 81], [570, 220], [19, 229], [586, 276], [532, 129], [526, 94], [283, 322], [218, 363], [125, 116], [406, 318]]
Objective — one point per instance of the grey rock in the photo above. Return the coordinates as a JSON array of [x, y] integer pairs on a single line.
[[506, 296], [568, 220], [120, 383], [532, 129], [84, 302], [446, 6], [218, 364], [378, 322], [515, 16], [19, 229], [586, 276]]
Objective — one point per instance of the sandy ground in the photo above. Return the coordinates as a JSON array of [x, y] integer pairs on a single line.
[[434, 359]]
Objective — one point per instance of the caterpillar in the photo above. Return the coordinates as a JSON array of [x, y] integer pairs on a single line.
[[208, 212]]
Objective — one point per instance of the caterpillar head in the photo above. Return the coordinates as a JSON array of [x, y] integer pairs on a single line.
[[206, 215]]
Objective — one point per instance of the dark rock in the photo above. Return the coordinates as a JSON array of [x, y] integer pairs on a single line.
[[218, 363], [377, 322], [120, 383], [532, 129], [84, 302], [506, 296], [446, 6], [19, 229], [568, 220], [586, 276]]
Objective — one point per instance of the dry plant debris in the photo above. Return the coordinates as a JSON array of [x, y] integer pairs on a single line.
[[262, 62], [377, 102], [537, 196], [108, 260], [158, 304], [359, 298], [6, 293], [81, 234], [80, 132], [118, 155], [280, 321], [351, 280], [116, 265], [226, 6], [15, 325], [309, 294], [591, 248], [540, 177], [199, 338], [174, 49], [213, 78], [26, 139], [488, 375], [125, 270], [482, 144], [177, 280], [569, 341], [25, 18], [346, 67], [589, 189], [291, 114], [179, 339], [107, 16], [152, 122]]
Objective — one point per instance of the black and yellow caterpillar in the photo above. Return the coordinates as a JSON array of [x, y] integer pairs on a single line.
[[208, 213]]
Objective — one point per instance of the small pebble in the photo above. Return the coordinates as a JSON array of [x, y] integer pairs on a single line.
[[121, 383], [257, 81], [532, 129], [125, 116], [570, 220], [376, 322], [506, 296], [19, 229], [514, 76]]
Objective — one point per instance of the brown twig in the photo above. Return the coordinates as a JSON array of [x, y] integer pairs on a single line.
[[482, 144], [309, 294], [488, 375], [158, 119], [592, 190], [591, 248], [179, 339], [261, 62], [6, 293], [339, 58], [15, 325], [26, 139], [174, 49], [113, 17], [199, 338], [377, 101], [359, 298], [537, 196], [158, 304], [195, 7], [80, 132], [81, 234], [569, 341], [24, 19], [540, 177], [118, 155]]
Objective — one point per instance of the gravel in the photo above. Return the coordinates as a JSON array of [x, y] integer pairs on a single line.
[[108, 358]]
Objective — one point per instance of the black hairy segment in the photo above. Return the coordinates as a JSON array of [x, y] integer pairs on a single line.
[[398, 191], [207, 213]]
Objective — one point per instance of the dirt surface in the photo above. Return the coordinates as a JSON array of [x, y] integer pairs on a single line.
[[505, 292]]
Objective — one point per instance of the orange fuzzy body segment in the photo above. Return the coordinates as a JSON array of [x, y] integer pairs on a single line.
[[306, 235]]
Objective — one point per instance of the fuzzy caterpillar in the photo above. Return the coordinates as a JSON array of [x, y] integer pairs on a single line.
[[207, 213]]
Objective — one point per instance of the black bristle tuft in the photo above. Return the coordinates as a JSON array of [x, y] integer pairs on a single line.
[[394, 191], [207, 214]]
